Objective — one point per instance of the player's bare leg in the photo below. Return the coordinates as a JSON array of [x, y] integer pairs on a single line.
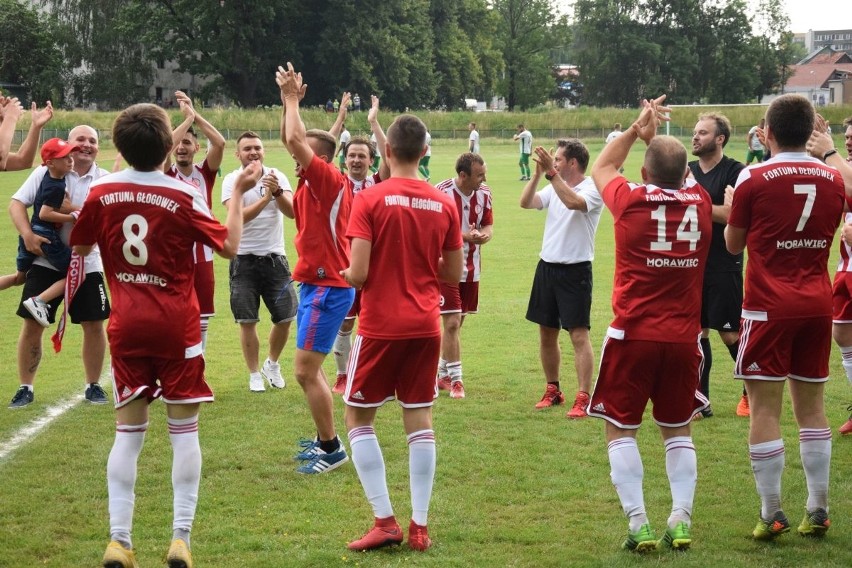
[[250, 344], [29, 357], [451, 353], [551, 359], [584, 366]]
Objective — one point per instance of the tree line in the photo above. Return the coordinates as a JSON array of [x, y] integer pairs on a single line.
[[412, 53]]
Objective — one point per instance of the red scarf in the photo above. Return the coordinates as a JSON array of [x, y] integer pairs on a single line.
[[73, 281]]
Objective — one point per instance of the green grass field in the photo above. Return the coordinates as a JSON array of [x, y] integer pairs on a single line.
[[514, 486]]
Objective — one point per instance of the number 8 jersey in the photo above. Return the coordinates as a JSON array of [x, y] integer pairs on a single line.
[[662, 238], [146, 225], [790, 206]]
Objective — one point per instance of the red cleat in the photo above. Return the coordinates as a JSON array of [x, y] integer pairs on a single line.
[[418, 537], [340, 384], [579, 408], [457, 390], [385, 532], [743, 408], [552, 397], [846, 428], [444, 383]]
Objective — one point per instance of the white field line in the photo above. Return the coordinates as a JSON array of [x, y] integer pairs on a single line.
[[30, 431]]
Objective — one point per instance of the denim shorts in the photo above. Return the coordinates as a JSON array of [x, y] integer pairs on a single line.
[[253, 277]]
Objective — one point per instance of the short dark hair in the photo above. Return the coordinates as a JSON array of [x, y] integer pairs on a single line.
[[576, 150], [247, 134], [465, 162], [327, 142], [723, 125], [407, 138], [847, 122], [143, 135], [363, 141], [791, 120]]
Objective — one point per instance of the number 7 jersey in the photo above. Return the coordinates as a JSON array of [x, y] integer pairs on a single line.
[[146, 225], [790, 207], [662, 238]]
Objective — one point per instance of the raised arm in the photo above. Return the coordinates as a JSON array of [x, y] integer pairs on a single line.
[[10, 111], [820, 144], [529, 198], [564, 192], [185, 105], [292, 128], [341, 115], [613, 154], [24, 157], [381, 140], [216, 151]]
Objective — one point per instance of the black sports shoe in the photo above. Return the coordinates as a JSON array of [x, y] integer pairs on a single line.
[[23, 397], [707, 412], [95, 394]]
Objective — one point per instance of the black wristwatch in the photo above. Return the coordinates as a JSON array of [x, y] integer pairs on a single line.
[[278, 193], [550, 175], [828, 154]]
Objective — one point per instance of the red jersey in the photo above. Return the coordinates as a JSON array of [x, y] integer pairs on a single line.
[[202, 178], [474, 213], [662, 238], [322, 203], [145, 224], [408, 223], [790, 207]]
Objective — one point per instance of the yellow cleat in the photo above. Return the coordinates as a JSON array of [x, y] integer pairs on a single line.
[[116, 556], [179, 556]]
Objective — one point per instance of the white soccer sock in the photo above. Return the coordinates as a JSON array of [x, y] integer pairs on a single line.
[[370, 465], [442, 367], [454, 370], [342, 348], [626, 472], [186, 470], [815, 449], [846, 353], [682, 469], [421, 472], [205, 323], [767, 463], [121, 479]]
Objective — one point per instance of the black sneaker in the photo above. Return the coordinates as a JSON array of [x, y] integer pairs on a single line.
[[23, 397], [707, 412], [95, 394]]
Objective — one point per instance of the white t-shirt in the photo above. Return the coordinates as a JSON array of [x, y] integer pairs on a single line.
[[428, 145], [265, 233], [569, 234], [77, 188], [525, 142], [755, 145], [613, 135], [474, 138], [345, 137]]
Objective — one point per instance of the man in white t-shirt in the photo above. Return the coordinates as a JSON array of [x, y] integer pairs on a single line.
[[525, 139], [260, 269], [341, 152], [616, 132], [90, 305], [561, 295], [473, 139], [755, 146]]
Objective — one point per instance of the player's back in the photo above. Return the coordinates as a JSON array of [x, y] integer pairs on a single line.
[[408, 223], [662, 238], [791, 206], [146, 224]]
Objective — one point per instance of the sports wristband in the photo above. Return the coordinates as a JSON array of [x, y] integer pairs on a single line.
[[828, 154], [550, 175]]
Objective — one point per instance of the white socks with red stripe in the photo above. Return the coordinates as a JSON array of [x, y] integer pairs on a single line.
[[767, 463], [341, 349], [682, 469], [121, 479], [186, 473], [421, 471], [815, 450], [370, 465], [626, 472]]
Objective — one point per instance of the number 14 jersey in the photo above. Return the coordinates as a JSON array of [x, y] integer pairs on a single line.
[[662, 238]]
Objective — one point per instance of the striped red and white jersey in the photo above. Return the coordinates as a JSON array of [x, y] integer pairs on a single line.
[[844, 265], [475, 212], [203, 179], [367, 182]]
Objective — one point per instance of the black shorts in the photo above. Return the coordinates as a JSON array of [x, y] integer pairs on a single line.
[[722, 301], [561, 295], [90, 303]]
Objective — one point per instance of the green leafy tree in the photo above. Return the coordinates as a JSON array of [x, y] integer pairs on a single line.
[[28, 55], [732, 76], [527, 80], [772, 45]]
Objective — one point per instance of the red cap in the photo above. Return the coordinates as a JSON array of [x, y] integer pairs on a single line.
[[56, 148]]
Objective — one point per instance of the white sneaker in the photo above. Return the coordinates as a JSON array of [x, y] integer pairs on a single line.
[[272, 372], [256, 382], [39, 309]]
